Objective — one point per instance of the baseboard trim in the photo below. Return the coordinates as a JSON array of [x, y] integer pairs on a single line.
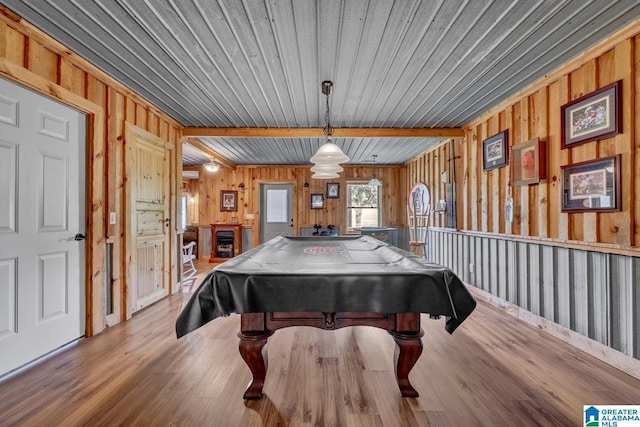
[[613, 357]]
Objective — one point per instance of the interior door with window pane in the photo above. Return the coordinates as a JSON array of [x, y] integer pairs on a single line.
[[276, 217]]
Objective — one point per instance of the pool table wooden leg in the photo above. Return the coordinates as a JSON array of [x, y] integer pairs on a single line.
[[407, 352], [253, 349]]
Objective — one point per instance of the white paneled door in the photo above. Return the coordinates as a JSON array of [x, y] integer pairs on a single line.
[[42, 213]]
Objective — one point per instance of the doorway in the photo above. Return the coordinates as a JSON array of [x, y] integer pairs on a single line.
[[276, 205], [148, 227]]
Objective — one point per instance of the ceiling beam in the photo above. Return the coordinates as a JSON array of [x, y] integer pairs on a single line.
[[319, 132]]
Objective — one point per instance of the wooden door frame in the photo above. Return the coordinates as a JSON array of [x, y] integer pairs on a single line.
[[95, 167], [132, 131]]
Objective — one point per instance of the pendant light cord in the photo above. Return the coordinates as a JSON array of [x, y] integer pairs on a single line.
[[328, 130]]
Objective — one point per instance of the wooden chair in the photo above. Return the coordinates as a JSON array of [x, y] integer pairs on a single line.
[[188, 267], [418, 231]]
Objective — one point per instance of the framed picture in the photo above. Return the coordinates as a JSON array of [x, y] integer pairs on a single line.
[[596, 115], [333, 190], [228, 200], [528, 162], [317, 201], [494, 151], [592, 186]]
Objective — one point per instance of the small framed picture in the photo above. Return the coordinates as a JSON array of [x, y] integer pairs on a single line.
[[494, 151], [317, 201], [528, 162], [333, 190], [592, 186], [594, 116], [228, 200]]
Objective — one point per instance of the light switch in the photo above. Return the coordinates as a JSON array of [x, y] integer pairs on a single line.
[[112, 218]]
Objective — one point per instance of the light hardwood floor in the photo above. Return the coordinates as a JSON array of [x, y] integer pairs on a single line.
[[493, 371]]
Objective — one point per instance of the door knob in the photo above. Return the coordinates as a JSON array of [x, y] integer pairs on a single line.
[[80, 236]]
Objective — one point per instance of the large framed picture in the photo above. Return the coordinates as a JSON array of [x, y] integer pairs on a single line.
[[317, 201], [528, 162], [592, 186], [596, 115], [333, 190], [494, 151], [228, 200]]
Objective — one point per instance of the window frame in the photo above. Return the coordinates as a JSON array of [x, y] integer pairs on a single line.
[[360, 182]]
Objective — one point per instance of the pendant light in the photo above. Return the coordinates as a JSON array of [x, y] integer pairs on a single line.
[[328, 154], [374, 182]]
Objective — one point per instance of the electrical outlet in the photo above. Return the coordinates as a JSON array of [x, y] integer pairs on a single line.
[[470, 267], [112, 218]]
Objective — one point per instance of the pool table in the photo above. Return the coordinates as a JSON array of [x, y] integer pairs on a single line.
[[328, 283]]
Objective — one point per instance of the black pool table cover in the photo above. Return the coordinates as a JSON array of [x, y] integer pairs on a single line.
[[330, 274]]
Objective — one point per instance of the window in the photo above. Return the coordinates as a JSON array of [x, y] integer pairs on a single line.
[[183, 211], [363, 207], [277, 206]]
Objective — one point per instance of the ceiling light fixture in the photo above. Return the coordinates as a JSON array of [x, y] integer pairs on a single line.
[[324, 167], [212, 166], [326, 171], [374, 182], [325, 175], [328, 154]]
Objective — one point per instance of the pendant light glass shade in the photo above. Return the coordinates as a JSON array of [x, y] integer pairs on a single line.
[[329, 153], [325, 167], [374, 182], [325, 175]]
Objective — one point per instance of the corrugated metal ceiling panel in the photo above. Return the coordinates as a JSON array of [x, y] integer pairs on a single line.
[[409, 64], [298, 150], [192, 156]]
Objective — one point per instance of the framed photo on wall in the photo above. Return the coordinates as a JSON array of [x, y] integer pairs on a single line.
[[592, 186], [494, 151], [594, 116], [228, 200], [317, 201], [333, 190], [528, 162]]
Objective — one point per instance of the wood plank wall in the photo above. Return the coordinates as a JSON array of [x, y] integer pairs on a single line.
[[536, 113], [436, 169], [206, 194], [576, 274], [33, 59]]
